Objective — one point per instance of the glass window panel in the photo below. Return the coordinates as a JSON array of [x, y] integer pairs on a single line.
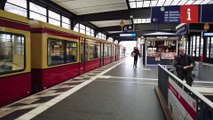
[[21, 3], [190, 2], [207, 48], [88, 29], [38, 9], [146, 3], [201, 47], [187, 47], [153, 3], [139, 4], [37, 16], [71, 52], [65, 25], [82, 26], [206, 1], [91, 51], [82, 51], [12, 52], [82, 31], [194, 46], [92, 33], [55, 52], [198, 46], [15, 9], [87, 33], [132, 5], [105, 51], [54, 15], [54, 22], [191, 45], [76, 29], [86, 52], [65, 20], [197, 2]]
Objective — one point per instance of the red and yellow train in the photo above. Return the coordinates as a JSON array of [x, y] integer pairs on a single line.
[[35, 55]]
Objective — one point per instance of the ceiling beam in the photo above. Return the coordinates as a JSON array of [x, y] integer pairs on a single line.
[[115, 15], [144, 27]]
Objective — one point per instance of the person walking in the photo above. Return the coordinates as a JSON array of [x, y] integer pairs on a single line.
[[135, 53], [184, 65]]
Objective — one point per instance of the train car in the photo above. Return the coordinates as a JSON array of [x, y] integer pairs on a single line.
[[55, 54], [15, 76]]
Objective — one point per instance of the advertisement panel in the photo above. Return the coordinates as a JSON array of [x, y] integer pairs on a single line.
[[180, 104]]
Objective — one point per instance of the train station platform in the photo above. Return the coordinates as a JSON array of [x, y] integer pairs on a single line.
[[117, 91]]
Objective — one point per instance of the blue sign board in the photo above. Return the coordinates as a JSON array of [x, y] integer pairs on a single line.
[[166, 14], [182, 30], [206, 14]]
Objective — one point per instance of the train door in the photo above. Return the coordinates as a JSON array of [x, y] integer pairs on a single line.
[[102, 54], [82, 55]]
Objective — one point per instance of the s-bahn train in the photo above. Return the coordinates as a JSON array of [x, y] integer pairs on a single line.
[[35, 55]]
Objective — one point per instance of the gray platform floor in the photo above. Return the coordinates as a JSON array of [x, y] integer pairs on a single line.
[[124, 93]]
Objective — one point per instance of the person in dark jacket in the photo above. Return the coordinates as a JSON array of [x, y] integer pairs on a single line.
[[135, 53], [184, 65]]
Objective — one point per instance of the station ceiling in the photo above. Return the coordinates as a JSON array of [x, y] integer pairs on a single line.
[[107, 14]]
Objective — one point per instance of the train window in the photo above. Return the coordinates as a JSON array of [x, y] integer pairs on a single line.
[[55, 52], [109, 50], [71, 52], [17, 6], [94, 51], [97, 51], [105, 51], [12, 52]]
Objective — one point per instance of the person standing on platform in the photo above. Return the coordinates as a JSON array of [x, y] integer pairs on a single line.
[[184, 65], [135, 53]]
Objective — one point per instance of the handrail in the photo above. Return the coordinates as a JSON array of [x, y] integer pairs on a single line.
[[200, 96]]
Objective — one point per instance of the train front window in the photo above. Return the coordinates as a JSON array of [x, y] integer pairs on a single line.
[[55, 52], [11, 52]]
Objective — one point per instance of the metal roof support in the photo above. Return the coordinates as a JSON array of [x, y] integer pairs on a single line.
[[2, 4]]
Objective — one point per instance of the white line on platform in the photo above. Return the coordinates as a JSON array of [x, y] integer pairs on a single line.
[[154, 79], [33, 113], [211, 82], [142, 83]]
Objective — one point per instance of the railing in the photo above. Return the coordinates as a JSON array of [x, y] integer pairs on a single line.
[[183, 101]]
